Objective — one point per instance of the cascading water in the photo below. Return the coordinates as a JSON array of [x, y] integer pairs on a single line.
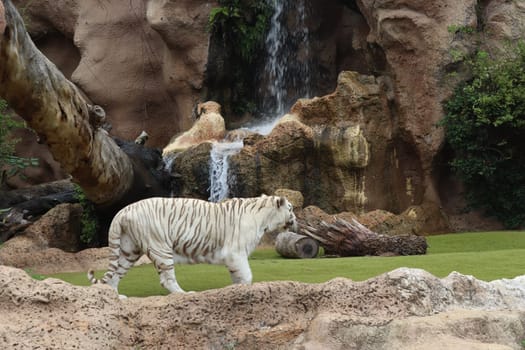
[[219, 165], [287, 75], [287, 70]]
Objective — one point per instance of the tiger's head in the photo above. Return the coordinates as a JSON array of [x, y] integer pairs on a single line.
[[290, 221]]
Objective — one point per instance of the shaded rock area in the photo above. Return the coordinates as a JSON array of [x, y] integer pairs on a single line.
[[402, 309]]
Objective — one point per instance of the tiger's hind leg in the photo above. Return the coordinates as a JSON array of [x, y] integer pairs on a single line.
[[164, 265], [239, 268], [122, 260]]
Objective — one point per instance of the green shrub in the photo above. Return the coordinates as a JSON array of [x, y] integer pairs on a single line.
[[238, 31], [243, 24], [485, 126], [88, 221], [10, 165]]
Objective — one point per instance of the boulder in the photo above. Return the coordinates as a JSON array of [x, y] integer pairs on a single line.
[[424, 219], [278, 160], [209, 127], [58, 228], [418, 220]]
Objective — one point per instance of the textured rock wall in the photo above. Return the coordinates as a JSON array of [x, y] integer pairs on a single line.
[[416, 41], [402, 309], [142, 61]]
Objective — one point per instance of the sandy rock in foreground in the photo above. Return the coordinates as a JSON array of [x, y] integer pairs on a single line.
[[403, 309]]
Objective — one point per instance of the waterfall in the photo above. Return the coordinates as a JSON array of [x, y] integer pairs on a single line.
[[287, 69], [287, 74], [219, 165]]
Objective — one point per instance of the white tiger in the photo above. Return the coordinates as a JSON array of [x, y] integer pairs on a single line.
[[184, 230]]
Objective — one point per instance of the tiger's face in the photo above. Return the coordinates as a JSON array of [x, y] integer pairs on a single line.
[[291, 221]]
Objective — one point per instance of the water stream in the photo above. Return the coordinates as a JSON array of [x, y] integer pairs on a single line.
[[288, 75]]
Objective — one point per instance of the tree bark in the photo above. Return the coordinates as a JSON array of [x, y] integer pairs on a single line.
[[292, 245], [353, 239], [56, 110]]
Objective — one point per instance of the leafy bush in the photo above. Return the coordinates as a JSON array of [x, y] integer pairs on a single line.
[[485, 125], [238, 31], [89, 221], [8, 160], [243, 24]]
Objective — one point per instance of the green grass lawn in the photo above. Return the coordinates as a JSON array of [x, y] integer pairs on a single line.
[[485, 255]]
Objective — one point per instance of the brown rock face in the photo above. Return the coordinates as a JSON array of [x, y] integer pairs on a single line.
[[143, 62], [415, 39], [59, 227], [342, 151]]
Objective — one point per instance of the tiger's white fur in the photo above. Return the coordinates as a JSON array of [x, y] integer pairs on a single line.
[[184, 230]]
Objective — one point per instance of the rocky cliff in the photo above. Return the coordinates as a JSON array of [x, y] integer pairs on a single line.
[[146, 63]]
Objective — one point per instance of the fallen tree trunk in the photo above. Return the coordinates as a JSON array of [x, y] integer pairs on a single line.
[[353, 239], [13, 197], [292, 245], [20, 208]]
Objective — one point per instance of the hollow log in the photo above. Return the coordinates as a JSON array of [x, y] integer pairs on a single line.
[[57, 111], [345, 238], [292, 245]]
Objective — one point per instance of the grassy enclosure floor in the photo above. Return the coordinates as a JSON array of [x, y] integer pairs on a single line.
[[485, 255]]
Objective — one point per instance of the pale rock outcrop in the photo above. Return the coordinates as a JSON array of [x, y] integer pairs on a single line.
[[323, 149], [402, 309], [208, 127]]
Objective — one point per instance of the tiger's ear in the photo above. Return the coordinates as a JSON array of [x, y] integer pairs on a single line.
[[280, 201]]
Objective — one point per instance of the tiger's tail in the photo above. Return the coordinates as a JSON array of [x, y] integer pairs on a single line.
[[114, 234]]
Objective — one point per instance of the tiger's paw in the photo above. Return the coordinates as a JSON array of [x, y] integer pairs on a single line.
[[122, 296]]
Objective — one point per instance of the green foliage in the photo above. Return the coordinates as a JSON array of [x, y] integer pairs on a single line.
[[243, 24], [485, 255], [454, 29], [89, 221], [8, 160], [238, 32], [485, 125]]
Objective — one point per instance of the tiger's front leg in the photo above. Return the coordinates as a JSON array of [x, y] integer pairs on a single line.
[[240, 271]]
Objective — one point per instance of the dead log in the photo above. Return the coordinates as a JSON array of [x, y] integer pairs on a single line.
[[21, 207], [13, 197], [353, 239], [292, 245]]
